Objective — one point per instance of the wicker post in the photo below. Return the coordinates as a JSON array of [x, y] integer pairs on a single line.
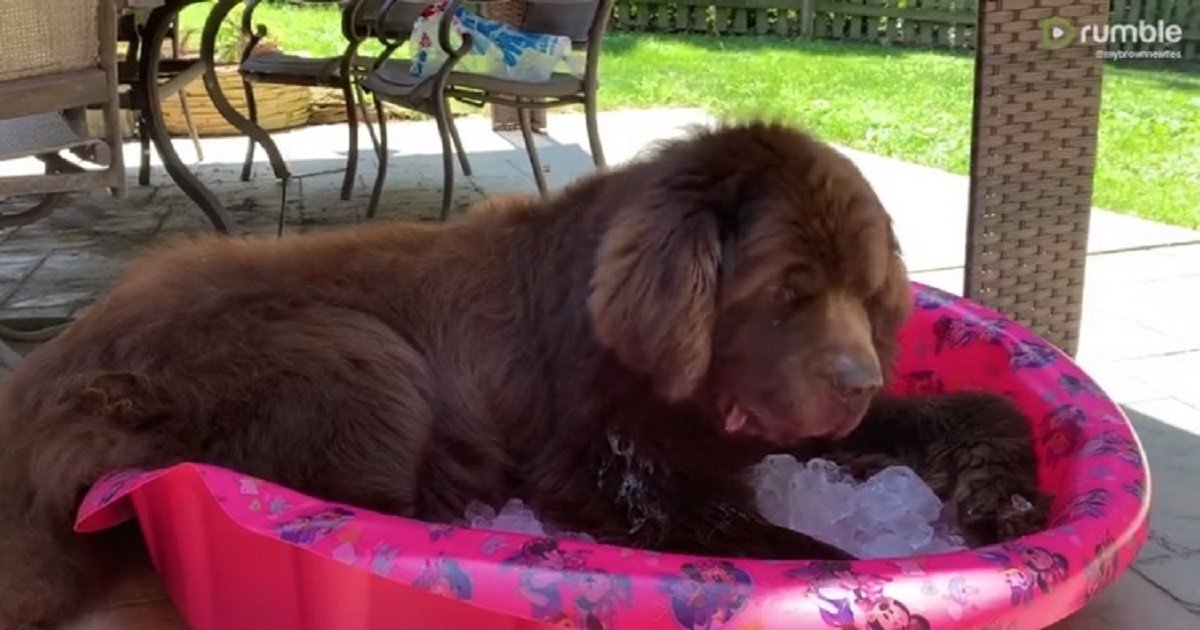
[[1032, 158]]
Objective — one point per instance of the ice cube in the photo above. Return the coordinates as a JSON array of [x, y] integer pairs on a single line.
[[773, 481], [839, 502], [893, 514], [943, 543], [918, 533], [1021, 504], [887, 545], [516, 518], [479, 515], [909, 489], [823, 469], [879, 505]]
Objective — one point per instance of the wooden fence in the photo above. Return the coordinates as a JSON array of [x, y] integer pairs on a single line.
[[938, 23], [1185, 13]]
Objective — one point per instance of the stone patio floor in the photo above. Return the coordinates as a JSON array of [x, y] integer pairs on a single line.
[[1140, 337]]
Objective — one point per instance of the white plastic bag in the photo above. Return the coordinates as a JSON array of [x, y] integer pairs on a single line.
[[498, 49]]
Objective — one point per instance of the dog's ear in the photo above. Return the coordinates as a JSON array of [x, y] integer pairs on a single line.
[[653, 294], [891, 306]]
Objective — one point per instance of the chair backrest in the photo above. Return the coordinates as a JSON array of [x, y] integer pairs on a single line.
[[577, 19], [400, 19], [584, 21], [570, 18], [40, 37], [57, 58]]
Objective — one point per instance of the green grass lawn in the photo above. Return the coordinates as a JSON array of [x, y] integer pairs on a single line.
[[909, 104]]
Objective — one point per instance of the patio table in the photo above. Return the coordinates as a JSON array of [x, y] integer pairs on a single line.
[[160, 15], [208, 45]]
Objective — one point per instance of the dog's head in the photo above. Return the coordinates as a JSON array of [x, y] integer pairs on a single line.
[[752, 270]]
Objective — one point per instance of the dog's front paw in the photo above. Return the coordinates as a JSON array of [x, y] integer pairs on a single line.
[[996, 492], [757, 538], [988, 517], [743, 534]]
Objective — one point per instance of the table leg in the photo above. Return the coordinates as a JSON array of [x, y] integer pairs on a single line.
[[156, 29], [258, 135]]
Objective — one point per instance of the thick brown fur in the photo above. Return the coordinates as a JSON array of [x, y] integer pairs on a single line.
[[617, 355]]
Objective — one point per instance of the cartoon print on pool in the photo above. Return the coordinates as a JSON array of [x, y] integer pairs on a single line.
[[1111, 443], [493, 545], [960, 592], [1030, 354], [598, 593], [1021, 585], [1090, 504], [443, 576], [1048, 568], [277, 505], [951, 331], [887, 613], [248, 486], [835, 586], [1027, 569], [1062, 431], [441, 531], [931, 299], [849, 600], [958, 595], [383, 557], [709, 594], [1103, 570], [1076, 384], [345, 552], [1136, 489], [309, 528], [115, 483], [544, 570]]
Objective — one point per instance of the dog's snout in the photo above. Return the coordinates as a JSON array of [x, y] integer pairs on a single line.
[[855, 378]]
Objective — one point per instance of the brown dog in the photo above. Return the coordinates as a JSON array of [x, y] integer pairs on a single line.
[[617, 355]]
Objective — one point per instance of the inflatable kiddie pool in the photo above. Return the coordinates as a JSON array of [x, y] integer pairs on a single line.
[[240, 553]]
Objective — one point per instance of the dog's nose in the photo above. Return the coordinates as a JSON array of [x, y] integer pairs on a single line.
[[854, 379]]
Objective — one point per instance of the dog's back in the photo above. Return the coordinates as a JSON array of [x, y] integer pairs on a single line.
[[304, 360]]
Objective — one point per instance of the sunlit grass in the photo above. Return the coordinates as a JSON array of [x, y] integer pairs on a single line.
[[909, 104]]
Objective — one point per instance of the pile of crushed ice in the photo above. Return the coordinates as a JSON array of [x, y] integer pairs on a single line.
[[514, 517], [893, 514]]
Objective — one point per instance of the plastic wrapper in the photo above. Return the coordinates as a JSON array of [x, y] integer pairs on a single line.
[[497, 49]]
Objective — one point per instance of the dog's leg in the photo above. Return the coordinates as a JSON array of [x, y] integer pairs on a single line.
[[717, 517], [724, 530], [41, 574], [47, 464], [973, 449]]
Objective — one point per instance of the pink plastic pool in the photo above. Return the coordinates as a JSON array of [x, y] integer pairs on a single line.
[[241, 553]]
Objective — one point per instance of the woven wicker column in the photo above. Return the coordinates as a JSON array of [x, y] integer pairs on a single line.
[[1032, 158]]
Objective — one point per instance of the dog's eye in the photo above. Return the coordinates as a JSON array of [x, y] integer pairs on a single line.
[[789, 296], [797, 286]]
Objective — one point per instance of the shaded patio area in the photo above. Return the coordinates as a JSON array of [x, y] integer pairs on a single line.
[[44, 271], [1138, 336], [1021, 213]]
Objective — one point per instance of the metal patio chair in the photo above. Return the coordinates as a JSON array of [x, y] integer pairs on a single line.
[[584, 21]]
